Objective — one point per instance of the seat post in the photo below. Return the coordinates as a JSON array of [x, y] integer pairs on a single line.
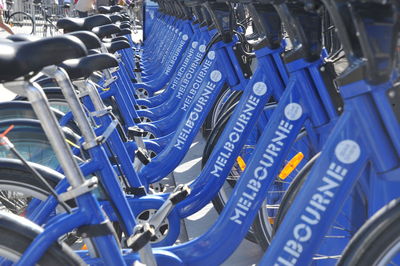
[[51, 127], [69, 93]]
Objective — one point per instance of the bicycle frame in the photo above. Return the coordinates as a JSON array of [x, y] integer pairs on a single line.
[[89, 215]]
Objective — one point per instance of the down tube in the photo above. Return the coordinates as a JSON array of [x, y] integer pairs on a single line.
[[234, 222], [314, 210]]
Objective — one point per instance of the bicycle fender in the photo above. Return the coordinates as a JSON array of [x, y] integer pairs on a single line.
[[46, 172], [21, 225]]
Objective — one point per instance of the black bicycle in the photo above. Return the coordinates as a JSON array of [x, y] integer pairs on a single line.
[[45, 20], [20, 22]]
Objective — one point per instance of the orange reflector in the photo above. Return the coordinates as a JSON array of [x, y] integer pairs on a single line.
[[84, 247], [271, 220], [241, 163], [291, 165], [6, 131]]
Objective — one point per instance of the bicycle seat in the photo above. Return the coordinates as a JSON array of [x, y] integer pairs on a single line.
[[93, 51], [22, 38], [104, 9], [115, 18], [120, 38], [112, 47], [109, 9], [125, 26], [106, 30], [116, 8], [125, 17], [84, 67], [90, 39], [21, 58], [124, 32], [75, 24]]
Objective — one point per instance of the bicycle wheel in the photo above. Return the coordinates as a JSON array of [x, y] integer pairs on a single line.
[[265, 230], [341, 231], [225, 192], [21, 22], [378, 240], [18, 187], [30, 140], [14, 243], [215, 111], [23, 110], [55, 98], [263, 225]]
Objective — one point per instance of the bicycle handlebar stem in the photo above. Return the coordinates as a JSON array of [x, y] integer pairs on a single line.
[[221, 14], [303, 28], [267, 26]]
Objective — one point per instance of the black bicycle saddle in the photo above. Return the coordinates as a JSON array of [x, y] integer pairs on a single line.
[[124, 32], [106, 30], [115, 18], [112, 47], [75, 24], [88, 38], [84, 67], [125, 26], [120, 38], [109, 9], [21, 58]]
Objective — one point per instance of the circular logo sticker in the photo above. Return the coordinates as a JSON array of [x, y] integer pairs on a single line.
[[293, 111], [347, 151], [194, 44], [215, 76], [202, 48], [185, 37], [211, 55], [259, 88]]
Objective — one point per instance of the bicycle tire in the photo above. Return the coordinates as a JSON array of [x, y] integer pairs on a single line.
[[21, 180], [232, 100], [57, 101], [375, 238], [55, 98], [23, 110], [263, 233], [14, 243], [15, 16], [288, 199], [30, 140], [212, 140], [208, 123]]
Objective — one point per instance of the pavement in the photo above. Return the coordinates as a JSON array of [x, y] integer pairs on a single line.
[[247, 253]]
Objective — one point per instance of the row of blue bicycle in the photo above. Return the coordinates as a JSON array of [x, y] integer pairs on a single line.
[[299, 101]]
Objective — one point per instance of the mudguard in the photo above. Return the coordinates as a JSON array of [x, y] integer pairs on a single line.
[[23, 226], [48, 173]]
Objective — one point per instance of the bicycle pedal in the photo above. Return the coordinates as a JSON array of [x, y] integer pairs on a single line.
[[136, 131], [137, 191], [142, 156], [157, 188], [180, 193], [141, 237]]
